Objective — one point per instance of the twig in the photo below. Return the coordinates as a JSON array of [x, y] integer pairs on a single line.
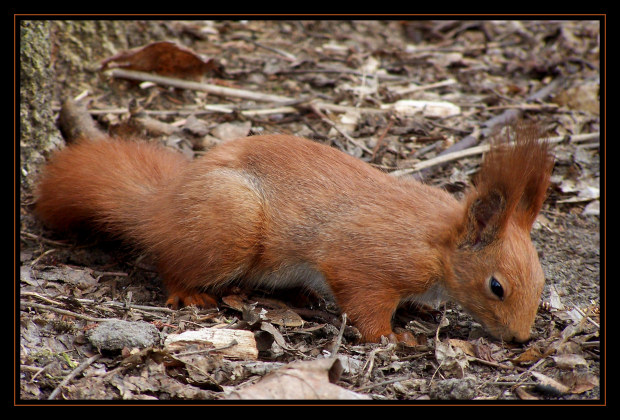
[[483, 149], [505, 117], [128, 306], [525, 107], [496, 364], [336, 346], [387, 382], [36, 260], [383, 77], [73, 374], [329, 122], [288, 56], [380, 141], [419, 88], [205, 87], [23, 304], [42, 239], [232, 344]]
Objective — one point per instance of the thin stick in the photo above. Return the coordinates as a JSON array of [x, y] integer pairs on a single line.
[[387, 382], [73, 374], [23, 304], [42, 239], [509, 115], [205, 87], [288, 56], [483, 149], [128, 306], [338, 341], [419, 88], [329, 122]]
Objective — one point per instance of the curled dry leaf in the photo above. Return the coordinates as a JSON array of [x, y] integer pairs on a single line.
[[549, 385], [528, 357], [581, 382], [253, 313], [165, 58], [452, 358]]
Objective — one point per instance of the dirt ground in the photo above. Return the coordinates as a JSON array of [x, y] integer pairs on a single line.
[[349, 83]]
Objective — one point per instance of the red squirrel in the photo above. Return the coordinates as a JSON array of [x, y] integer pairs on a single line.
[[280, 211]]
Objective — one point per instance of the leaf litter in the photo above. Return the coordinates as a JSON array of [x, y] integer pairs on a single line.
[[393, 93]]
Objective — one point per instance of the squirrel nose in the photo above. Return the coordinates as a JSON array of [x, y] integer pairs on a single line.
[[521, 337]]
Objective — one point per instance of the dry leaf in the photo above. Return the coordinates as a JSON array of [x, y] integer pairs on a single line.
[[251, 314], [284, 317], [569, 361], [555, 303], [234, 301], [583, 97], [465, 346], [232, 131], [305, 380], [581, 382], [165, 58], [550, 385], [278, 338], [529, 356], [452, 359]]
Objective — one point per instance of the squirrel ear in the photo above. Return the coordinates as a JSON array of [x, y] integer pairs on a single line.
[[485, 218]]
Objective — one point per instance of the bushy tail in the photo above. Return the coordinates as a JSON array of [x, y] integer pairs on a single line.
[[109, 184]]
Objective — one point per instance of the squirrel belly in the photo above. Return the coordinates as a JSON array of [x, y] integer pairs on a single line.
[[276, 211]]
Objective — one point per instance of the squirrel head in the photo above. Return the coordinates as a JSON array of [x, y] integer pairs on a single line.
[[496, 273]]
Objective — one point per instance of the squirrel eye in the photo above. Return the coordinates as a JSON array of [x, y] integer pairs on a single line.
[[496, 287]]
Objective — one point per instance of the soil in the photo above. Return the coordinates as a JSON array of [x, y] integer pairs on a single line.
[[69, 284]]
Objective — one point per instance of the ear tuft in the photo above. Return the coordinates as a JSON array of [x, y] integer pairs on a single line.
[[512, 183]]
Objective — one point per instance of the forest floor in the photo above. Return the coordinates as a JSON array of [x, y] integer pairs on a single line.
[[348, 84]]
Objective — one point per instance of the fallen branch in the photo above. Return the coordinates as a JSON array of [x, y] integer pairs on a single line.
[[483, 149], [24, 305], [506, 117], [73, 374], [204, 87], [329, 122]]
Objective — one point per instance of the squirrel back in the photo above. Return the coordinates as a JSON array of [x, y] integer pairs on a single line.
[[277, 210]]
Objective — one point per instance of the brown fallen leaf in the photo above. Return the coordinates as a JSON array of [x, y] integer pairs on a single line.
[[466, 346], [452, 358], [165, 58], [581, 382], [569, 361], [253, 313], [529, 356], [302, 380]]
